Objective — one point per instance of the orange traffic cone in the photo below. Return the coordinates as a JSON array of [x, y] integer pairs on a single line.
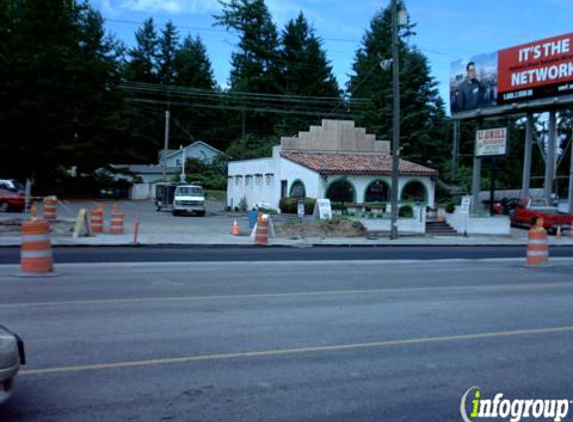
[[236, 230]]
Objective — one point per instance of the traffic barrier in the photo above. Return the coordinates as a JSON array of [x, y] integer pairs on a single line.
[[236, 231], [262, 230], [96, 219], [50, 208], [537, 246], [36, 250], [117, 217]]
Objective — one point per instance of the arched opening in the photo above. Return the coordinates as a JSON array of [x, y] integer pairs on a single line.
[[297, 189], [414, 191], [377, 191], [341, 191]]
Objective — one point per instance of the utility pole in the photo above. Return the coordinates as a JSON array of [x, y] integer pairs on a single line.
[[396, 123], [166, 146]]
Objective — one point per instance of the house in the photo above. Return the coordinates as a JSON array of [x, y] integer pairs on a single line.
[[198, 150], [337, 161]]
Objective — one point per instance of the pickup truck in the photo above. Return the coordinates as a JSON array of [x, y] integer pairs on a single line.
[[528, 210]]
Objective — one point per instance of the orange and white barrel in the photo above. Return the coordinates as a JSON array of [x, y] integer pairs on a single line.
[[50, 208], [537, 245], [96, 220], [262, 232], [117, 218], [36, 250]]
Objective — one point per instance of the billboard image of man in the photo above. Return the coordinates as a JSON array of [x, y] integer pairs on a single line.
[[472, 91], [473, 86]]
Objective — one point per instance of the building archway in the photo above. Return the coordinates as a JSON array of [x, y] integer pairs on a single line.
[[415, 191], [341, 190], [377, 191], [297, 189]]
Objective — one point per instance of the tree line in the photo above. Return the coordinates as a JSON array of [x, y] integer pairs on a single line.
[[73, 95]]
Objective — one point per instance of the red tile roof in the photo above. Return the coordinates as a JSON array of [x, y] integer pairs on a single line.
[[354, 163]]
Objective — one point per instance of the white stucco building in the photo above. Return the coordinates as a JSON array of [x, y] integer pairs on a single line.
[[335, 160]]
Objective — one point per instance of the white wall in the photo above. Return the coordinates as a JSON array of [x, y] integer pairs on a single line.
[[415, 225], [258, 189], [142, 191], [497, 225]]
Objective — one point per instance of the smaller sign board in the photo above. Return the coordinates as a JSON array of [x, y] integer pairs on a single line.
[[323, 209], [300, 209], [491, 142], [466, 203]]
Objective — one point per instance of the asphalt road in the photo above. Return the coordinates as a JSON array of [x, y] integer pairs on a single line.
[[286, 341], [11, 255]]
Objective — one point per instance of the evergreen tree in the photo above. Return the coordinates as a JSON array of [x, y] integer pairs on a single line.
[[305, 71], [424, 129], [255, 67], [192, 65], [143, 64], [59, 98], [168, 47]]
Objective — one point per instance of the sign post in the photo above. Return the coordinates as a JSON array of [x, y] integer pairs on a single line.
[[465, 210]]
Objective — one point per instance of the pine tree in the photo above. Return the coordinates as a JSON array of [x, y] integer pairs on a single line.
[[255, 67], [305, 71], [168, 47], [424, 127], [143, 65], [59, 98], [193, 67]]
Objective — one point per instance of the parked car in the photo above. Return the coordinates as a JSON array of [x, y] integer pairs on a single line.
[[528, 210], [10, 200], [12, 185], [12, 355]]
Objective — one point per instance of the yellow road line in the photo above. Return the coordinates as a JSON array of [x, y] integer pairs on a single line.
[[286, 295], [312, 349]]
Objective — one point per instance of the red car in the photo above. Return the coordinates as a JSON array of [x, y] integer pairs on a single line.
[[528, 210], [10, 200]]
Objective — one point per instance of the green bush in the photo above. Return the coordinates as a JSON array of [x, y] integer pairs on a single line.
[[450, 208], [406, 211], [289, 205]]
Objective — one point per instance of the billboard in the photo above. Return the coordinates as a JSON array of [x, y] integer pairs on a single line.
[[525, 72], [491, 142]]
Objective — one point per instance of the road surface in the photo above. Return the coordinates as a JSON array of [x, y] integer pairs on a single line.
[[335, 341]]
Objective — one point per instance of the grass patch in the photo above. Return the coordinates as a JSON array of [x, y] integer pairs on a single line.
[[216, 195]]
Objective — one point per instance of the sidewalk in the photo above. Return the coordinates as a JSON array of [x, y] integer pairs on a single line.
[[229, 240]]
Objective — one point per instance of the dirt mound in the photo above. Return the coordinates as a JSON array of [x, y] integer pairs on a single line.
[[328, 228]]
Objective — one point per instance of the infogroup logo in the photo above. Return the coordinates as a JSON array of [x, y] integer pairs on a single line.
[[514, 410]]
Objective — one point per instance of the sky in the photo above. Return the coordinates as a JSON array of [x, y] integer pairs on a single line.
[[446, 30]]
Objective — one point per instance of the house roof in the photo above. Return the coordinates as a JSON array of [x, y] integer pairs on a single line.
[[330, 163], [145, 168], [177, 151]]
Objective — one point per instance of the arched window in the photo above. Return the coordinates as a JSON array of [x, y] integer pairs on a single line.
[[414, 191], [341, 191], [297, 189], [377, 191]]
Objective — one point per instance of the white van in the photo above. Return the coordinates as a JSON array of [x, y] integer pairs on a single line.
[[189, 199]]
